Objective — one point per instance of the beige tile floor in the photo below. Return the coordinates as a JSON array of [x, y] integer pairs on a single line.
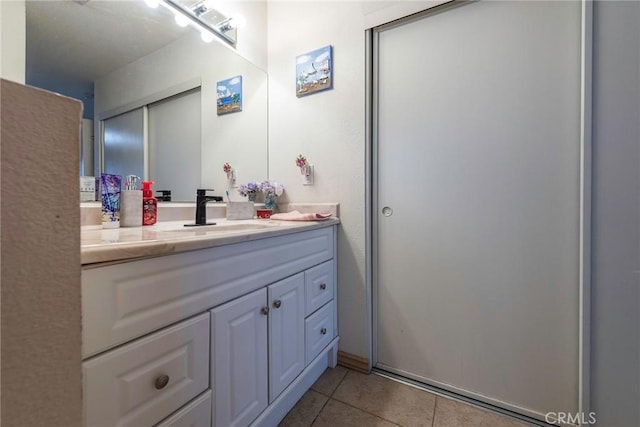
[[342, 397]]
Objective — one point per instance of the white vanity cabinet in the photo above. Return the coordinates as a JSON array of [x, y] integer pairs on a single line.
[[261, 342], [231, 335]]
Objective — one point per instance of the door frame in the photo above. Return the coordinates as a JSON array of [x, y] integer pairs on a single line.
[[371, 188]]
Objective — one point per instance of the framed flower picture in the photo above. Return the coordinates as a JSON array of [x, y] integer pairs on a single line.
[[314, 71], [229, 95]]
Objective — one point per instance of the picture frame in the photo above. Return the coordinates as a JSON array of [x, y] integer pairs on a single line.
[[229, 99], [314, 71]]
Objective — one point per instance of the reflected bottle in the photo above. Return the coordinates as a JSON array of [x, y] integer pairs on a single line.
[[149, 204]]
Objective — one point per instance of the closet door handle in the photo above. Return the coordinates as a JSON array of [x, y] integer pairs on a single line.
[[264, 310], [323, 331], [323, 286], [277, 303]]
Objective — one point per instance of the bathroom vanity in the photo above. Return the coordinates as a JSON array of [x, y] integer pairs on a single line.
[[210, 326]]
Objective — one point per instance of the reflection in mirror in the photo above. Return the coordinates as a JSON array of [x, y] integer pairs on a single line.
[[202, 15], [121, 56]]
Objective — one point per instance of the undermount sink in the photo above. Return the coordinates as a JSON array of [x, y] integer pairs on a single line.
[[220, 228]]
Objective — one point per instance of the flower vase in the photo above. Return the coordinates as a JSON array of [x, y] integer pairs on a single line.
[[252, 197], [270, 202]]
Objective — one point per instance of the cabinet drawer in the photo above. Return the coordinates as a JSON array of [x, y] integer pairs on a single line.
[[195, 414], [142, 382], [318, 286], [318, 331]]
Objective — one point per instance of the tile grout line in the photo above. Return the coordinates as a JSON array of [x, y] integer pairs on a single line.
[[349, 371], [329, 397], [366, 412], [435, 407], [320, 411]]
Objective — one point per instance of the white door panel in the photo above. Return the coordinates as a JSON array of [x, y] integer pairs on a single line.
[[174, 144], [479, 159], [124, 144], [239, 348], [286, 333]]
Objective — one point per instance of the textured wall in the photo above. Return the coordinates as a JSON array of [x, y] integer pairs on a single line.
[[252, 39], [616, 215], [327, 127], [41, 377]]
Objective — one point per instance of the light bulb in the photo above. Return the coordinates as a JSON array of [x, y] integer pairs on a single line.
[[206, 36], [152, 3], [181, 20], [238, 21]]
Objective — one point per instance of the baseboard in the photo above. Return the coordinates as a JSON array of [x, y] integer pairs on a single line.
[[354, 362]]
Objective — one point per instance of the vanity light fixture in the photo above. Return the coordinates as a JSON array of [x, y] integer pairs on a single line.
[[213, 24], [236, 21], [206, 36], [202, 7], [181, 20]]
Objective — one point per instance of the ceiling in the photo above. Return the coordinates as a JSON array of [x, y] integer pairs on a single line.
[[85, 40]]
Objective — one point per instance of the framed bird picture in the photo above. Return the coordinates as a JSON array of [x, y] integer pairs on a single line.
[[314, 71]]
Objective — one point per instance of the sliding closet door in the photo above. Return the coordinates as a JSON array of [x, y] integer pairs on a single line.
[[174, 144], [478, 201], [124, 144]]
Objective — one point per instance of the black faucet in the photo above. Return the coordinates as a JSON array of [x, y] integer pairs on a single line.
[[165, 197], [201, 205]]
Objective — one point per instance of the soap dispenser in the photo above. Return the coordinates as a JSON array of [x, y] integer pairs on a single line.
[[149, 204]]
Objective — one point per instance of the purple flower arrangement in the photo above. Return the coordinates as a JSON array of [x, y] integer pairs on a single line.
[[271, 188], [249, 189]]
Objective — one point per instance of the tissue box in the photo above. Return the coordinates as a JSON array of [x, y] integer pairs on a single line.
[[240, 210]]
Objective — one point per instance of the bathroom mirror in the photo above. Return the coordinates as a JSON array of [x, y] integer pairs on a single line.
[[120, 57]]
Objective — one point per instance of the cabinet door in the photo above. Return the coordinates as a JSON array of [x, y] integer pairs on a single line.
[[286, 333], [239, 349]]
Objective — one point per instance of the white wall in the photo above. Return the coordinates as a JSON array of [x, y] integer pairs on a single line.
[[252, 39], [616, 215], [13, 40], [328, 128]]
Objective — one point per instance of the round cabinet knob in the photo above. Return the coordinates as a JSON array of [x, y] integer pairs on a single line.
[[277, 303], [162, 381], [323, 331], [387, 211], [323, 286], [264, 310]]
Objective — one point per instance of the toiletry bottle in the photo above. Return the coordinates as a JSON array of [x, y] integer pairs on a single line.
[[149, 204], [131, 203], [110, 189]]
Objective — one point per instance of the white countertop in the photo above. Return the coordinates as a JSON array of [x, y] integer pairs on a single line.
[[100, 245]]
